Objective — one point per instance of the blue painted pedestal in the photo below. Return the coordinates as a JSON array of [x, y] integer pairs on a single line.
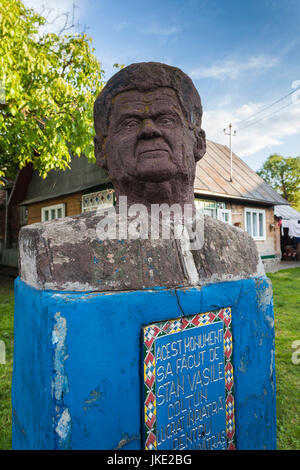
[[76, 379]]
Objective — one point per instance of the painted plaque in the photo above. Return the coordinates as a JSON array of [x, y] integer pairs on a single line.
[[188, 383]]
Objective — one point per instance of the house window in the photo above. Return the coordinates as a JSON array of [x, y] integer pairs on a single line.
[[53, 212], [255, 223], [210, 208], [23, 215], [103, 199], [224, 215]]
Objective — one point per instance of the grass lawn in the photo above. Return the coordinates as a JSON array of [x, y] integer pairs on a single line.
[[6, 335], [286, 287], [286, 291]]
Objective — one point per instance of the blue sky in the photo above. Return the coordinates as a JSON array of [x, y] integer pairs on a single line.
[[241, 54]]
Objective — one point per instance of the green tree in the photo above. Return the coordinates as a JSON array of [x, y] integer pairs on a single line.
[[48, 84], [283, 174]]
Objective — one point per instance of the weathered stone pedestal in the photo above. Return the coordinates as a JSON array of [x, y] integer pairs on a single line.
[[78, 380]]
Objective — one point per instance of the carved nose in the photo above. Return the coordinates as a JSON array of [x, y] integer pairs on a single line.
[[148, 130]]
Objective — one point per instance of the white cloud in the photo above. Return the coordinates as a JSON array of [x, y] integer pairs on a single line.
[[266, 134], [233, 69]]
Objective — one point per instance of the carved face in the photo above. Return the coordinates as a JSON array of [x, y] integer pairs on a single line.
[[148, 137]]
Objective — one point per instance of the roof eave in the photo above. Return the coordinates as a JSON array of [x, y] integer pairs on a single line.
[[238, 198], [63, 193]]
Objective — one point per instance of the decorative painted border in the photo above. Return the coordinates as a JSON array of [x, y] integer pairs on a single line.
[[154, 331]]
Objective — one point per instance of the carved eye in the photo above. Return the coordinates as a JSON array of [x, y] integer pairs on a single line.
[[166, 121], [131, 124]]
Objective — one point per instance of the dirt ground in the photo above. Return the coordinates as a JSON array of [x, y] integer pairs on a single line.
[[284, 265]]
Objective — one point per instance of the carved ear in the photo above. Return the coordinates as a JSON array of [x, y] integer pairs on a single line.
[[200, 146], [99, 144]]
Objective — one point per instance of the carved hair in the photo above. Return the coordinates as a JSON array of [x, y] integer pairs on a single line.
[[148, 76]]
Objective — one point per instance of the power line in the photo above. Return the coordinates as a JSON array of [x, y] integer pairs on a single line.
[[232, 133], [268, 106], [264, 117]]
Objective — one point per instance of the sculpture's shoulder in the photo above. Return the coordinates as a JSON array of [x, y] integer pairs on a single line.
[[48, 247], [69, 254], [227, 253]]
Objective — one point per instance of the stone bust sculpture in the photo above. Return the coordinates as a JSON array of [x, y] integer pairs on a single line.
[[149, 138], [148, 133]]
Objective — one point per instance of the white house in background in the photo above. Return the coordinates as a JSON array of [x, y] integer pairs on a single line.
[[246, 201]]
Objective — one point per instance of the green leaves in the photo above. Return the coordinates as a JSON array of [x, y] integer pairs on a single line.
[[283, 174], [50, 86]]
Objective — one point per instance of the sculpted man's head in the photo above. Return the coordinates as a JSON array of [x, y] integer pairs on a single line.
[[148, 133]]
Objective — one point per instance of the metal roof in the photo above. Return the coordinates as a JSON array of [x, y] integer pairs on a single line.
[[286, 212], [212, 179]]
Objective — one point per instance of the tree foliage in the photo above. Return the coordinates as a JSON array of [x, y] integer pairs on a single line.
[[49, 83], [283, 174]]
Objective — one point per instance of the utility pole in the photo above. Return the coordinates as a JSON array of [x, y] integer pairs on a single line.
[[231, 134]]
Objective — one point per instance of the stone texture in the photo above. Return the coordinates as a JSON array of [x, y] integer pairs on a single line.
[[67, 255], [148, 133], [149, 138]]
